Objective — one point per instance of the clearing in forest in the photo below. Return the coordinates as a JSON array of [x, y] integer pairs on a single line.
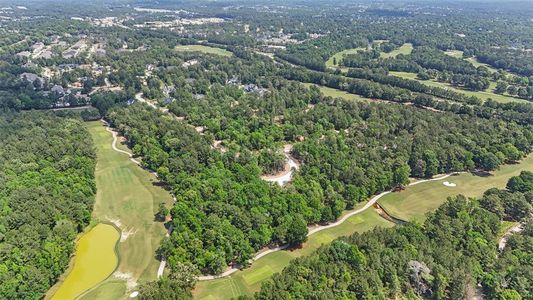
[[454, 53], [204, 49], [335, 93], [404, 49], [472, 60], [337, 57], [127, 196]]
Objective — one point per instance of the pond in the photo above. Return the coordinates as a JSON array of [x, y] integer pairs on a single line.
[[95, 259]]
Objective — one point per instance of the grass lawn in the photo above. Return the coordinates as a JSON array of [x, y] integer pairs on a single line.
[[204, 49], [472, 60], [476, 64], [405, 49], [454, 53], [327, 91], [249, 280], [339, 55], [414, 202], [129, 194], [110, 290], [483, 95]]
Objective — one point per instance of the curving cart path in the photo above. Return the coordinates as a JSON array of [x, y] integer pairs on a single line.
[[114, 147], [314, 229]]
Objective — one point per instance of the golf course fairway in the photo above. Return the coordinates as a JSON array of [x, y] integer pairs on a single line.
[[94, 261], [414, 202], [128, 197], [411, 204]]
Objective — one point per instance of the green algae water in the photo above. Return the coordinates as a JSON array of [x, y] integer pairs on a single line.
[[95, 259]]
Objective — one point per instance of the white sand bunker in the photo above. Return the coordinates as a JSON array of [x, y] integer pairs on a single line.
[[449, 184], [134, 294], [130, 282], [124, 232]]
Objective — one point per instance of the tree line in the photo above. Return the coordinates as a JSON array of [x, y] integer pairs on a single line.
[[47, 191], [446, 257]]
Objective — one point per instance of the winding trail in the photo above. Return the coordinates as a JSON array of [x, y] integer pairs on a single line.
[[163, 262], [114, 143], [317, 228]]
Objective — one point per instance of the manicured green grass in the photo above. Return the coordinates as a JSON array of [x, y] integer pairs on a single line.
[[336, 93], [454, 53], [249, 280], [339, 55], [127, 193], [472, 60], [476, 64], [404, 49], [204, 49], [111, 290], [414, 202], [483, 95]]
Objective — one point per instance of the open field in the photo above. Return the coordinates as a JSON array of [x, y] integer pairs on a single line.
[[327, 91], [476, 64], [338, 56], [414, 202], [249, 280], [204, 49], [404, 49], [94, 260], [483, 95], [110, 290], [127, 196], [454, 53], [472, 60]]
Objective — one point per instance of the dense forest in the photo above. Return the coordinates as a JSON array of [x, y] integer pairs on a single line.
[[216, 97], [443, 258], [225, 212], [46, 195]]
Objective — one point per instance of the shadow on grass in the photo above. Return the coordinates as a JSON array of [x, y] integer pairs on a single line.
[[481, 173]]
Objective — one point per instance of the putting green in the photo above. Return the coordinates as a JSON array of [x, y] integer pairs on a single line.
[[110, 290], [95, 259], [414, 202]]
